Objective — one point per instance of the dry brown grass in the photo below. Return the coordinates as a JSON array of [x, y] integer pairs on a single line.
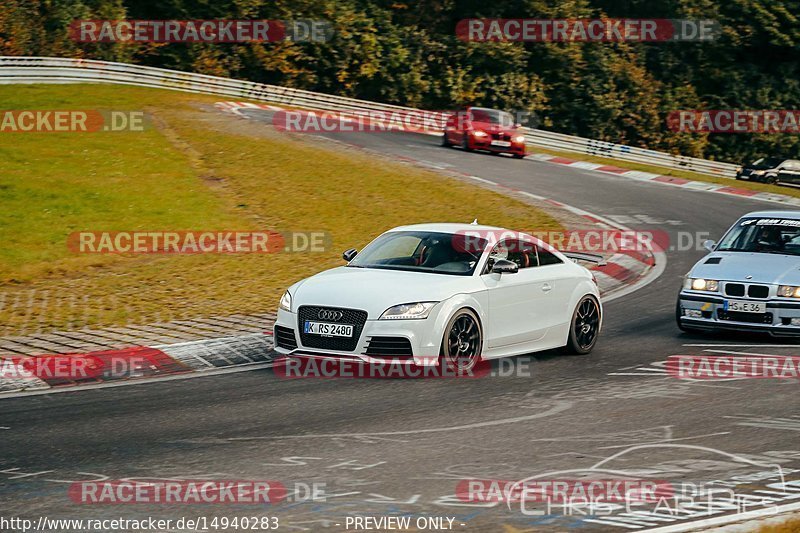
[[188, 172]]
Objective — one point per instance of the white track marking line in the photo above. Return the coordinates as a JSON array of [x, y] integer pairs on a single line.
[[634, 374], [477, 178], [744, 353], [145, 381], [661, 441], [695, 525], [561, 406], [745, 345]]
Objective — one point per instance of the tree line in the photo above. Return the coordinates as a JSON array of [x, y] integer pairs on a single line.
[[407, 52]]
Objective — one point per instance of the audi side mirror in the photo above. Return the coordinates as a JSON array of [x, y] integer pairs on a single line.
[[504, 266], [348, 255], [709, 245]]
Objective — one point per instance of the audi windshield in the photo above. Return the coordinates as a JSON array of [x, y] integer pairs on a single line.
[[440, 253]]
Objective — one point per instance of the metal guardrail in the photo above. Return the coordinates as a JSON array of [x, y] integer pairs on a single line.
[[14, 69]]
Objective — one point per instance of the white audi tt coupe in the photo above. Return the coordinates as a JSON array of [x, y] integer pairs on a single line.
[[458, 293]]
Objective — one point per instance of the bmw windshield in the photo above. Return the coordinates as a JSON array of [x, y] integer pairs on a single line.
[[492, 116], [765, 235], [422, 251]]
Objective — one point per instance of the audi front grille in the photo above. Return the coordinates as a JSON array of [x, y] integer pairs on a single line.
[[354, 317]]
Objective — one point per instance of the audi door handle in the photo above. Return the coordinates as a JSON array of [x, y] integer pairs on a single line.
[[546, 287]]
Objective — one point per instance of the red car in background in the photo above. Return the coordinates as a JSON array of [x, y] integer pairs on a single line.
[[480, 128]]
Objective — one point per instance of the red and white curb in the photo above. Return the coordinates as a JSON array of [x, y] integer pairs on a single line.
[[623, 272], [669, 180], [137, 364], [237, 107], [393, 123]]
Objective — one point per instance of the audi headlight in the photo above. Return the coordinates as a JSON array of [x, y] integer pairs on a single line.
[[408, 311], [701, 284], [286, 302], [758, 172], [519, 139], [479, 133], [789, 291]]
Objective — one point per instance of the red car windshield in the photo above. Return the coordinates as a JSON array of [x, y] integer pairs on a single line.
[[492, 116]]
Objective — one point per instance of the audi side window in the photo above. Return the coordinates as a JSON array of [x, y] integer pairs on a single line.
[[522, 253], [547, 258]]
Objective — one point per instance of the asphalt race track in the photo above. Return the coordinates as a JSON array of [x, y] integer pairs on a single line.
[[393, 447]]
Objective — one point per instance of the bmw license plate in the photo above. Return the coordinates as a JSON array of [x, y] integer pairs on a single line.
[[328, 330], [504, 144], [745, 307]]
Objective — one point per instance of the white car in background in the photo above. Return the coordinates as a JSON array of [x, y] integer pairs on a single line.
[[425, 293], [750, 281]]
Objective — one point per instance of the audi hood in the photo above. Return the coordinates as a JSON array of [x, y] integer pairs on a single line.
[[375, 290], [779, 269]]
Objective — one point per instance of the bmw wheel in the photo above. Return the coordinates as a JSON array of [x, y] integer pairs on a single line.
[[463, 342], [585, 326]]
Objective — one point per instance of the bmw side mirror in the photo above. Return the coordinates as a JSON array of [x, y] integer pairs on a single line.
[[709, 245], [504, 266], [348, 255]]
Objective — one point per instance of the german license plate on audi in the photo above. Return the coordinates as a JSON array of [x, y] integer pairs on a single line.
[[328, 330], [744, 306], [504, 144]]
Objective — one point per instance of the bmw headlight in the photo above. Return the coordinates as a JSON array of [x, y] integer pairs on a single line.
[[479, 133], [701, 284], [286, 302], [789, 291], [519, 139], [408, 311]]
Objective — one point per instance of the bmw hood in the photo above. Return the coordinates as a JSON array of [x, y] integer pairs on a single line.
[[489, 127], [374, 290], [736, 266]]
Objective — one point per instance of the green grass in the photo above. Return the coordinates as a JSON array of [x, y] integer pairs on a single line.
[[762, 187], [193, 169], [790, 526]]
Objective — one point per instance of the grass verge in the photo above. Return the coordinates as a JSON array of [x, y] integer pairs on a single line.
[[791, 526], [192, 169]]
